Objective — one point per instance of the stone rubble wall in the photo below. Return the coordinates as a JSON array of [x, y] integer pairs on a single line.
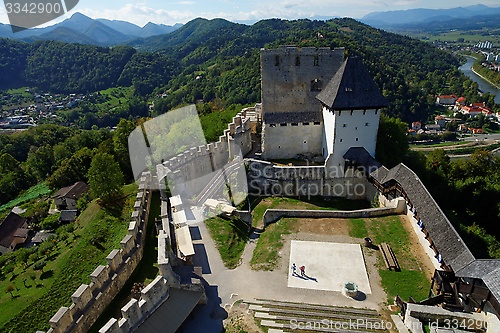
[[395, 207], [90, 300], [267, 179]]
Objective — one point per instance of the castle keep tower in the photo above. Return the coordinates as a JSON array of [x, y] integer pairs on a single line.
[[316, 103], [291, 79], [351, 102]]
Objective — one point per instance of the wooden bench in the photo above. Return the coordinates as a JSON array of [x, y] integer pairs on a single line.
[[389, 258]]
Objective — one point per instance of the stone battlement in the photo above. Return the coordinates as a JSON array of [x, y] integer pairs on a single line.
[[193, 165], [135, 311], [90, 300]]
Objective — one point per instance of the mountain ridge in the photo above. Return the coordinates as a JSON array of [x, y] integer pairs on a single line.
[[99, 32], [387, 19]]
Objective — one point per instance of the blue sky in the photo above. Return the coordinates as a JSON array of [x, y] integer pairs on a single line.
[[181, 11]]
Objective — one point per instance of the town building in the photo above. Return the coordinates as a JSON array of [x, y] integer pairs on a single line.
[[13, 232], [67, 197]]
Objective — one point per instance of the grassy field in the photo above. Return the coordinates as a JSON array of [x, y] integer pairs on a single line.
[[266, 253], [411, 280], [33, 192], [453, 36], [230, 237], [441, 144], [115, 97], [73, 257]]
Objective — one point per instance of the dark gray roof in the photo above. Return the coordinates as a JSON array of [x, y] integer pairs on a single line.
[[352, 88], [487, 270], [492, 281], [479, 268], [446, 239], [361, 157], [9, 228], [68, 215], [293, 117], [41, 236], [73, 192]]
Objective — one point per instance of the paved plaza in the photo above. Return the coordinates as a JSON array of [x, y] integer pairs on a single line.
[[327, 266]]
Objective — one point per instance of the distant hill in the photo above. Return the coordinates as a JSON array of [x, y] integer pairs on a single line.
[[218, 61], [85, 30], [391, 19]]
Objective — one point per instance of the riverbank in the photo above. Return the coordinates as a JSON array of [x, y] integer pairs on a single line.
[[485, 79], [484, 84]]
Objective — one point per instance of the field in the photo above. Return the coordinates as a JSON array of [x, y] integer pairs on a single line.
[[469, 37], [31, 296], [34, 192]]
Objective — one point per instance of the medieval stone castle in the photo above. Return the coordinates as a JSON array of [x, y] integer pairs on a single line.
[[314, 133]]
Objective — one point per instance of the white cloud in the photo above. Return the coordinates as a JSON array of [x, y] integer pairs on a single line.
[[141, 14]]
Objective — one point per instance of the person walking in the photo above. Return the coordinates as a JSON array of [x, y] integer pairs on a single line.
[[302, 270], [294, 269]]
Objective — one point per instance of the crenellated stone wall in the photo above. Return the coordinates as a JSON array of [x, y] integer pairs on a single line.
[[194, 168], [90, 300], [136, 311]]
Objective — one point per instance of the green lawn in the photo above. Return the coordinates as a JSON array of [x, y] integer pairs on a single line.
[[411, 280], [74, 257], [266, 253], [230, 237]]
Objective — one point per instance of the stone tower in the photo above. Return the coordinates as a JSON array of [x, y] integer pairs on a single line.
[[351, 112], [292, 116]]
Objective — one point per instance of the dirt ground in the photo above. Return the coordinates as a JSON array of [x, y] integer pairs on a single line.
[[239, 320], [423, 260], [324, 226]]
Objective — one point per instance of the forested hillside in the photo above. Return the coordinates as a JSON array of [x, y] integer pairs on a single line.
[[218, 61]]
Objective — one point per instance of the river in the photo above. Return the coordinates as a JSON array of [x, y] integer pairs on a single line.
[[484, 86]]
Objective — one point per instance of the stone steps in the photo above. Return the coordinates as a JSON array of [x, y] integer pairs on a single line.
[[318, 307], [298, 317]]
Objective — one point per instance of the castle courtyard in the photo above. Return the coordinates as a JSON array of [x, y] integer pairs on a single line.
[[328, 266]]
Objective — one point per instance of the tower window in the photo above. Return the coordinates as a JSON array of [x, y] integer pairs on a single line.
[[317, 123], [272, 125], [276, 60], [340, 140], [344, 125], [367, 124], [376, 111], [316, 85], [305, 124], [295, 124], [283, 124], [297, 61], [316, 60], [356, 139], [351, 112]]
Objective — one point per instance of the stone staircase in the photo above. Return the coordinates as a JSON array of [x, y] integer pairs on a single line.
[[278, 316]]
